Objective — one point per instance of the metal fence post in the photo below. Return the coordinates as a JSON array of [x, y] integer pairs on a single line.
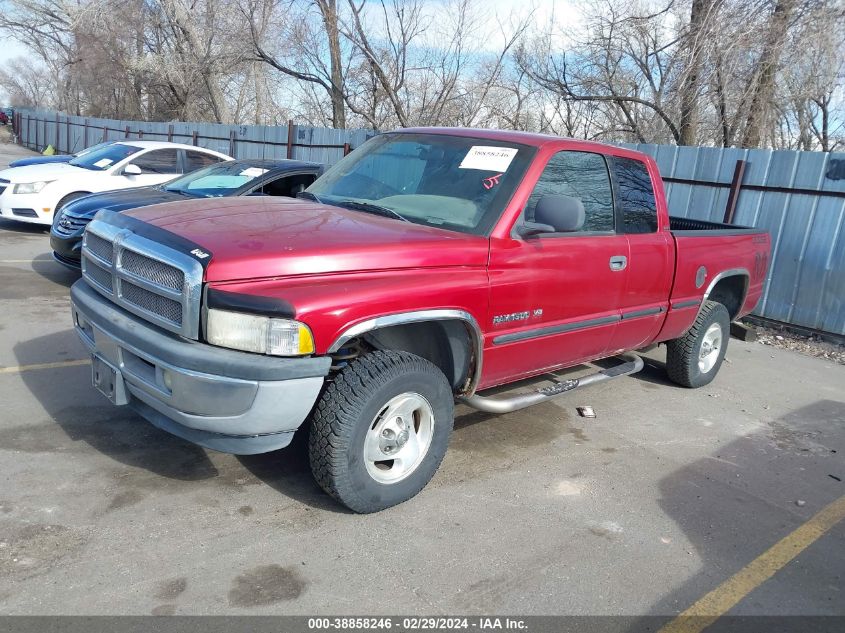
[[85, 135], [290, 138], [232, 144], [194, 138], [733, 197]]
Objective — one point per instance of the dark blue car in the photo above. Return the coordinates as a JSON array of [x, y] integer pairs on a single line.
[[56, 158], [231, 178]]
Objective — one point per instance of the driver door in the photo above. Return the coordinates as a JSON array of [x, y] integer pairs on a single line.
[[554, 297]]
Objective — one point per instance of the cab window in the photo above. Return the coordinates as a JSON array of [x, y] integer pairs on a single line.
[[581, 175], [636, 196]]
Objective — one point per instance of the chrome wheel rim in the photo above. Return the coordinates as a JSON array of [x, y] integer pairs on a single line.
[[399, 438], [711, 343]]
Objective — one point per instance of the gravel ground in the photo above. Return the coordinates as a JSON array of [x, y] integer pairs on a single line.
[[807, 345]]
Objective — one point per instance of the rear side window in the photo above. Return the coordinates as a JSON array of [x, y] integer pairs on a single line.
[[160, 161], [288, 186], [580, 175], [636, 196], [198, 160]]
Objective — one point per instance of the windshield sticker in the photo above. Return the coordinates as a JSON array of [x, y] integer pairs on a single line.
[[488, 158], [103, 162], [492, 181], [253, 172]]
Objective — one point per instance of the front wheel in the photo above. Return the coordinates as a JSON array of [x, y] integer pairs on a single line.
[[380, 430], [694, 359], [67, 199]]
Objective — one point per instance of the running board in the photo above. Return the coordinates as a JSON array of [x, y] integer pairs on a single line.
[[632, 365]]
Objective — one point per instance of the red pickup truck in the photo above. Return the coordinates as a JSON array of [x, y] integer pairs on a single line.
[[426, 267]]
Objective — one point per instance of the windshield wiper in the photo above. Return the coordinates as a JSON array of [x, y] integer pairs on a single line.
[[369, 207]]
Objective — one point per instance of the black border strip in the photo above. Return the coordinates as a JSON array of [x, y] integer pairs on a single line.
[[250, 304], [158, 234], [707, 232], [641, 313], [553, 329], [686, 304]]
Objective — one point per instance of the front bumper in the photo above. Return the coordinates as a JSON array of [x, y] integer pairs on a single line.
[[67, 249], [222, 399], [25, 207]]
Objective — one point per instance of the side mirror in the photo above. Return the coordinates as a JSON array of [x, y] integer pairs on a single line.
[[555, 214], [132, 170]]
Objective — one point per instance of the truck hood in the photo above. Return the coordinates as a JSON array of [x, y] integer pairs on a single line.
[[253, 237]]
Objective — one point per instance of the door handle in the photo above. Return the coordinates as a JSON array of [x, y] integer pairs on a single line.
[[618, 262]]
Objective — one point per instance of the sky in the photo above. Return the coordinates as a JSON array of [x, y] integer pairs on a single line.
[[491, 34], [11, 49]]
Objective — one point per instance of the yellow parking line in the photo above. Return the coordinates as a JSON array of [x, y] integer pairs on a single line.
[[63, 363], [724, 597]]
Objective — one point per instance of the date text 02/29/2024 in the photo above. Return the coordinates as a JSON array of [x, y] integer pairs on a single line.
[[417, 623]]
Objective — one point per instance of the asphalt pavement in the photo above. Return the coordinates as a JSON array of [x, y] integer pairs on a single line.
[[660, 499]]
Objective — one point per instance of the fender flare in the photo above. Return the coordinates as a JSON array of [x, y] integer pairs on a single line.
[[420, 316]]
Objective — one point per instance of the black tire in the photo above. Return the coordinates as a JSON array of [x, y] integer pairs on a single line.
[[347, 411], [682, 354], [68, 198]]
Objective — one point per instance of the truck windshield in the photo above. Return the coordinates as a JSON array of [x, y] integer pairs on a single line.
[[453, 182]]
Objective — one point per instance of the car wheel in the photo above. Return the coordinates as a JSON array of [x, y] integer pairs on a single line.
[[694, 359], [68, 198], [380, 430]]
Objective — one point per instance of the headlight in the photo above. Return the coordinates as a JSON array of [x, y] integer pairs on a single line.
[[262, 335], [30, 187]]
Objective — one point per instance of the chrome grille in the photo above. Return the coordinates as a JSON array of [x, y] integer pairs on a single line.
[[153, 281], [152, 270], [99, 276], [100, 247], [151, 302]]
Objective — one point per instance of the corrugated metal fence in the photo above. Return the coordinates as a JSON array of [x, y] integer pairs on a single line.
[[799, 197], [69, 134]]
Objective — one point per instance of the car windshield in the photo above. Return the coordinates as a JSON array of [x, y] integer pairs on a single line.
[[453, 182], [103, 158], [94, 148], [216, 181]]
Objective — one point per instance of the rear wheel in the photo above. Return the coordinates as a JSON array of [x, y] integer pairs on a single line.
[[380, 430], [694, 359]]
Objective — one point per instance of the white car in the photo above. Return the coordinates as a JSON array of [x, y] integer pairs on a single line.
[[34, 192]]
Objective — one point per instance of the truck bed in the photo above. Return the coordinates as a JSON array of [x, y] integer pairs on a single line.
[[689, 226]]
